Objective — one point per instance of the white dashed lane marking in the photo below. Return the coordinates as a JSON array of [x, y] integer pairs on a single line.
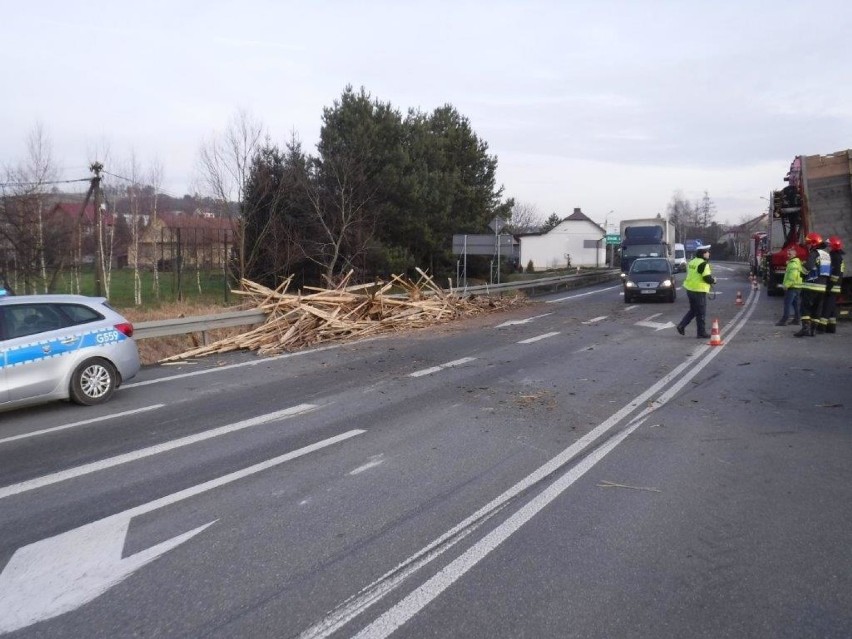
[[435, 369], [537, 338]]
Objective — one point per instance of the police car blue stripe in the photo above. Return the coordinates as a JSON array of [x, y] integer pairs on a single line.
[[48, 349]]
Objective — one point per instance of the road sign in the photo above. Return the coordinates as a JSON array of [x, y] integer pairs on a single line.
[[496, 224], [613, 239], [483, 245]]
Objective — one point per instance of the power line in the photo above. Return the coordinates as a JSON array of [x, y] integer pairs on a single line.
[[5, 184], [120, 177], [162, 191]]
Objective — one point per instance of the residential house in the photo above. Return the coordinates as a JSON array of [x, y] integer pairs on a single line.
[[77, 225], [737, 239], [576, 240], [192, 240]]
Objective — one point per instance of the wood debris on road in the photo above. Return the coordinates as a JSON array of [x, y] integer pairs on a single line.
[[317, 315]]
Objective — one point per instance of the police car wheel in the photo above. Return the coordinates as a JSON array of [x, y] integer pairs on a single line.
[[93, 382]]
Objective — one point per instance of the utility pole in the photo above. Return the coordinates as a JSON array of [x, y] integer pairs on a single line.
[[96, 168]]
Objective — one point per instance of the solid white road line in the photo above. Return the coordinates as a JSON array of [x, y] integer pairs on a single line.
[[537, 338], [435, 369], [595, 319], [415, 601], [86, 469], [94, 420], [391, 620], [387, 583], [219, 369], [393, 578], [571, 297]]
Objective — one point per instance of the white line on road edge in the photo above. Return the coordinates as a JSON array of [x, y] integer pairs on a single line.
[[418, 599], [61, 573], [537, 338], [571, 297], [388, 582], [219, 369], [435, 369], [422, 596], [85, 422], [54, 478]]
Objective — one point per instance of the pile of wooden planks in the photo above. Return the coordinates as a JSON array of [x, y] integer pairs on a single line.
[[317, 315]]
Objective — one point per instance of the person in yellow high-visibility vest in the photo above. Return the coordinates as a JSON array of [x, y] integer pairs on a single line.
[[698, 281], [792, 288]]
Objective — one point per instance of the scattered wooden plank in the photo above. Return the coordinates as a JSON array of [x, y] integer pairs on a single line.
[[344, 311]]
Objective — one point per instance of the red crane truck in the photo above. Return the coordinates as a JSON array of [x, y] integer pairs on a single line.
[[817, 198]]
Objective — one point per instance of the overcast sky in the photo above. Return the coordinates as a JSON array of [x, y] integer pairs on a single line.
[[608, 106]]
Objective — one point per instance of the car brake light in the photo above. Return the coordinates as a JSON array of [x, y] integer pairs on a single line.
[[126, 328]]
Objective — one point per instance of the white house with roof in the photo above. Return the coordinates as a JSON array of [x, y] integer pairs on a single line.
[[576, 238]]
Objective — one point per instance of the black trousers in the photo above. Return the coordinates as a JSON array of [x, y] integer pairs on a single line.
[[811, 305], [829, 309], [697, 310]]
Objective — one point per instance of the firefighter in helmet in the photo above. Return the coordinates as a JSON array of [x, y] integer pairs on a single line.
[[815, 273], [828, 321]]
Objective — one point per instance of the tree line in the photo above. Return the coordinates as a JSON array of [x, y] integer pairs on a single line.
[[383, 193], [694, 220]]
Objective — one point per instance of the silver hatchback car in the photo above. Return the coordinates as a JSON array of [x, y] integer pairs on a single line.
[[62, 347]]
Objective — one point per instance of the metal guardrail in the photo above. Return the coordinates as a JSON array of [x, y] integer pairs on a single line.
[[550, 284], [196, 324], [203, 323]]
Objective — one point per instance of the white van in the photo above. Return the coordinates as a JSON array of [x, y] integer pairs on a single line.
[[679, 258]]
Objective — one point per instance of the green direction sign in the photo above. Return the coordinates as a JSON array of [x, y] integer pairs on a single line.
[[613, 239]]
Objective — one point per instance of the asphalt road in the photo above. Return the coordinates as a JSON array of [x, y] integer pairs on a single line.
[[572, 468]]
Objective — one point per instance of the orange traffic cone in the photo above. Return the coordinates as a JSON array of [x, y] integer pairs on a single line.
[[715, 337], [739, 301]]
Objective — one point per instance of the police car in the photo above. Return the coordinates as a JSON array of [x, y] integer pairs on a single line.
[[62, 347]]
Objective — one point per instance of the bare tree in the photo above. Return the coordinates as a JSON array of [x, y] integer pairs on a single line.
[[705, 210], [682, 215], [155, 179], [340, 199], [23, 224], [134, 189], [224, 163], [40, 169], [526, 218]]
